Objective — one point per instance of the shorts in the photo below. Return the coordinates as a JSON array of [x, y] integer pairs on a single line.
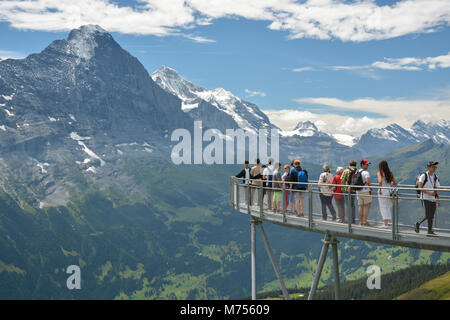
[[364, 198], [299, 195], [291, 197], [277, 196]]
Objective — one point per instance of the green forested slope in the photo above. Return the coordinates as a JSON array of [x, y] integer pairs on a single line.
[[184, 242]]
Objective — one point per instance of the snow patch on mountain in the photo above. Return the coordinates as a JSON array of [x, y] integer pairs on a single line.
[[8, 98], [345, 139], [79, 139], [82, 42]]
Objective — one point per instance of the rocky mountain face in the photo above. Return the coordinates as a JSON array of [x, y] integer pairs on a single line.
[[83, 103]]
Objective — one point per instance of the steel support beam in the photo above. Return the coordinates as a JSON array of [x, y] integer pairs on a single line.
[[253, 255], [337, 284], [274, 264], [323, 256]]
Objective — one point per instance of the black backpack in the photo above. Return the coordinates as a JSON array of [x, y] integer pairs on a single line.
[[357, 179], [424, 182]]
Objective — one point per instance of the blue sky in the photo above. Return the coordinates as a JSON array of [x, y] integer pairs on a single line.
[[346, 65]]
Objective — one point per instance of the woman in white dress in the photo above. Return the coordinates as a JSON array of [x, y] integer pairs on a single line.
[[385, 179]]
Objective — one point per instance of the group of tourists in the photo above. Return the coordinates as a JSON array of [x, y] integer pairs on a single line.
[[289, 183]]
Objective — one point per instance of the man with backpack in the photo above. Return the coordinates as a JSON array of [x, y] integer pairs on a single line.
[[363, 192], [297, 174], [429, 180], [245, 173], [346, 180]]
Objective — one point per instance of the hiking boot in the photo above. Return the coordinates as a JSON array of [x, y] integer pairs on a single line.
[[416, 227]]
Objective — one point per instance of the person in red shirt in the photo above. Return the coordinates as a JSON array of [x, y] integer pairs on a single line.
[[338, 194]]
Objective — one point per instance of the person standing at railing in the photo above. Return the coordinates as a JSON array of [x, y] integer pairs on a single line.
[[326, 193], [338, 193], [285, 186], [429, 180], [364, 194], [298, 175], [349, 192], [245, 173], [268, 176], [385, 179], [291, 196], [277, 194], [255, 173]]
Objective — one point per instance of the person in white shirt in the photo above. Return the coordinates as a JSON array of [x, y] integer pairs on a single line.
[[364, 195], [385, 179], [268, 176], [326, 193], [245, 173], [430, 198]]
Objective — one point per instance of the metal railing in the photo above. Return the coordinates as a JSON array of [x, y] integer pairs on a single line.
[[405, 205]]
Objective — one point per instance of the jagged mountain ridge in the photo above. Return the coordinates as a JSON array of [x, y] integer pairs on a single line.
[[394, 137], [217, 108]]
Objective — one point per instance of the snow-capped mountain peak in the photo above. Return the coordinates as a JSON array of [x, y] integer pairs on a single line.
[[304, 129], [439, 131], [82, 41], [221, 102], [306, 125]]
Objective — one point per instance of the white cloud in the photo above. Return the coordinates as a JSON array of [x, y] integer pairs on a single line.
[[361, 20], [408, 64], [199, 39], [303, 69], [340, 118], [255, 93], [401, 111], [287, 119], [7, 54]]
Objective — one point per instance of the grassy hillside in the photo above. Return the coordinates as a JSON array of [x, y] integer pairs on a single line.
[[436, 289], [408, 162], [428, 282]]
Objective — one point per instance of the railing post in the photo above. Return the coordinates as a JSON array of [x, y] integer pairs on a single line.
[[283, 200], [261, 201], [310, 206], [248, 198], [231, 192], [394, 214], [348, 209], [236, 187]]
